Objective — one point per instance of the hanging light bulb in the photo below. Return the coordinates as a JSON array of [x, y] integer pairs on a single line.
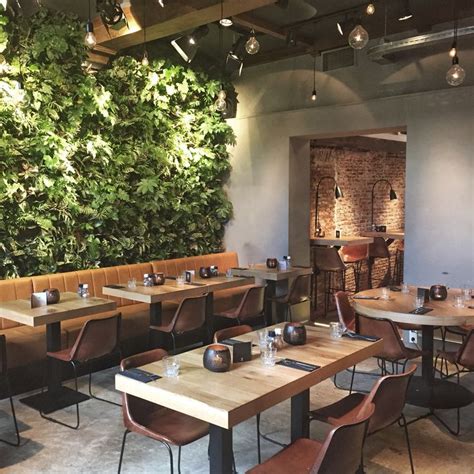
[[220, 103], [145, 61], [252, 46], [453, 51], [314, 95], [358, 37], [456, 74], [370, 10], [90, 40]]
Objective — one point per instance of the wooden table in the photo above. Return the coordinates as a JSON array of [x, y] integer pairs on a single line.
[[389, 236], [226, 399], [71, 306], [155, 295], [424, 391], [277, 283], [341, 242]]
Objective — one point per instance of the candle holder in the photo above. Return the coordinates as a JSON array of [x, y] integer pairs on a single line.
[[53, 296], [158, 279], [217, 358], [294, 334], [272, 262]]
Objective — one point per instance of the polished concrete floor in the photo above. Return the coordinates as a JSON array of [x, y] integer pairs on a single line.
[[95, 447]]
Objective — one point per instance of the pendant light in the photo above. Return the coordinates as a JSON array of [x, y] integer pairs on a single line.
[[456, 74], [145, 61], [225, 21], [220, 104], [90, 40], [252, 46], [358, 37], [314, 94], [370, 9]]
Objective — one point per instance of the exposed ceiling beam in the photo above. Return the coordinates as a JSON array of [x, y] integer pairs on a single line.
[[174, 19]]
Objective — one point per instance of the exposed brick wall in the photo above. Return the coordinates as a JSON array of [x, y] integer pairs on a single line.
[[355, 171]]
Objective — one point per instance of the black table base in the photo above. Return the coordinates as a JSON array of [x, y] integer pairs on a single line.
[[49, 402]]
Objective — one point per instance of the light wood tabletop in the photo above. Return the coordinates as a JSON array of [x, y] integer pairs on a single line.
[[226, 399], [389, 235], [171, 290], [70, 306], [398, 308], [260, 270], [343, 241]]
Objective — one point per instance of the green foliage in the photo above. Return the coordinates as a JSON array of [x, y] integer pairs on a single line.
[[124, 166]]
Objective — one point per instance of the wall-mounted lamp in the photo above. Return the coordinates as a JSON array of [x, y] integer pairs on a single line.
[[392, 195], [337, 194]]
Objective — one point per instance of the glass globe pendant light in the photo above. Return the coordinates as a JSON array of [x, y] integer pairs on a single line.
[[358, 37], [220, 103], [90, 40], [145, 61], [314, 94], [252, 46], [456, 74]]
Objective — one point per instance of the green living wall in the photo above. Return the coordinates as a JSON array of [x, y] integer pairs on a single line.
[[123, 166]]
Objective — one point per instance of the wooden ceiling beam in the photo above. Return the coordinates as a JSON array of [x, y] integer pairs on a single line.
[[175, 18]]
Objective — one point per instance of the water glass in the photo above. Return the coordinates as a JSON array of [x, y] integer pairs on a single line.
[[385, 294], [268, 357], [335, 330], [171, 364], [405, 289], [132, 283], [228, 273], [467, 293], [419, 302], [180, 280], [459, 301]]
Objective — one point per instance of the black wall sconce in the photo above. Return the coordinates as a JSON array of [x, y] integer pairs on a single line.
[[392, 195], [337, 194]]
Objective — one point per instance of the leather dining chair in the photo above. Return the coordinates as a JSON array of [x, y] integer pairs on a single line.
[[354, 256], [98, 338], [233, 331], [5, 384], [161, 424], [379, 249], [251, 307], [300, 292], [388, 395], [340, 452], [463, 360], [190, 317]]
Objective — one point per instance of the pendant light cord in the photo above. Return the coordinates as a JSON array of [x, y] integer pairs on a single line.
[[314, 70], [455, 20], [144, 24]]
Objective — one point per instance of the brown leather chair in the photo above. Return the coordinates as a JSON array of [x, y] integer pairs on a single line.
[[300, 292], [190, 317], [463, 360], [252, 306], [234, 331], [399, 263], [379, 249], [148, 419], [329, 263], [98, 338], [339, 453], [388, 395], [5, 388], [354, 256]]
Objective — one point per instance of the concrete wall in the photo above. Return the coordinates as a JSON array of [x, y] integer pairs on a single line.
[[275, 120]]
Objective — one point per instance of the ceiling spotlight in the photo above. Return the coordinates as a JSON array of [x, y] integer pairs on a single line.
[[184, 48], [111, 12], [291, 38], [406, 12], [224, 21], [344, 26], [456, 74], [370, 10], [234, 61], [197, 34], [358, 37], [252, 46]]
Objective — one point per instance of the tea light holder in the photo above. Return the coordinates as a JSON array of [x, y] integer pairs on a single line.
[[294, 334], [216, 358]]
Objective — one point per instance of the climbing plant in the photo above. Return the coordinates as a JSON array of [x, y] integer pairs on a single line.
[[123, 166]]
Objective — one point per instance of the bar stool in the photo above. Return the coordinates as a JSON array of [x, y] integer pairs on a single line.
[[329, 263], [379, 249], [354, 256], [399, 260]]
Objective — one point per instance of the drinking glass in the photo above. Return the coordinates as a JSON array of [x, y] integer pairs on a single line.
[[335, 330], [268, 357], [419, 302], [132, 283], [385, 294], [459, 301], [466, 291], [171, 364], [405, 289], [228, 273], [180, 280]]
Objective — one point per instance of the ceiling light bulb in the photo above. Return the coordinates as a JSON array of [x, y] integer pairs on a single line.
[[252, 46], [370, 10], [222, 94], [453, 51], [90, 40], [145, 61], [358, 37], [456, 74], [192, 40], [339, 28], [314, 95], [226, 22], [220, 103]]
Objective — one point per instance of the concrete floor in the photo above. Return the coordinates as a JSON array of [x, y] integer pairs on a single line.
[[95, 447]]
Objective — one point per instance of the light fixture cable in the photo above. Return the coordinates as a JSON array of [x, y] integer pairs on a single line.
[[145, 61]]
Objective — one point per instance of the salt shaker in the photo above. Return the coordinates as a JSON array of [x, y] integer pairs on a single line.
[[83, 290]]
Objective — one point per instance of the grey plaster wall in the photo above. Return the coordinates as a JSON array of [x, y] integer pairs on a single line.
[[273, 112]]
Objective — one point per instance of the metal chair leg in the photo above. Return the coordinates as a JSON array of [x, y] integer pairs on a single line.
[[259, 453], [170, 452], [99, 398], [408, 443], [352, 379], [179, 459], [17, 432], [122, 450]]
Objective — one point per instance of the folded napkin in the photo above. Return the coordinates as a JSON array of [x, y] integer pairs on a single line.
[[296, 364], [140, 375], [360, 337]]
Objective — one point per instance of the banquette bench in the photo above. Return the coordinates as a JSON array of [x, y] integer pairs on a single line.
[[26, 346]]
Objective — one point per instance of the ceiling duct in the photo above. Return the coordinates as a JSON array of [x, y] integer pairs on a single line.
[[383, 53]]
